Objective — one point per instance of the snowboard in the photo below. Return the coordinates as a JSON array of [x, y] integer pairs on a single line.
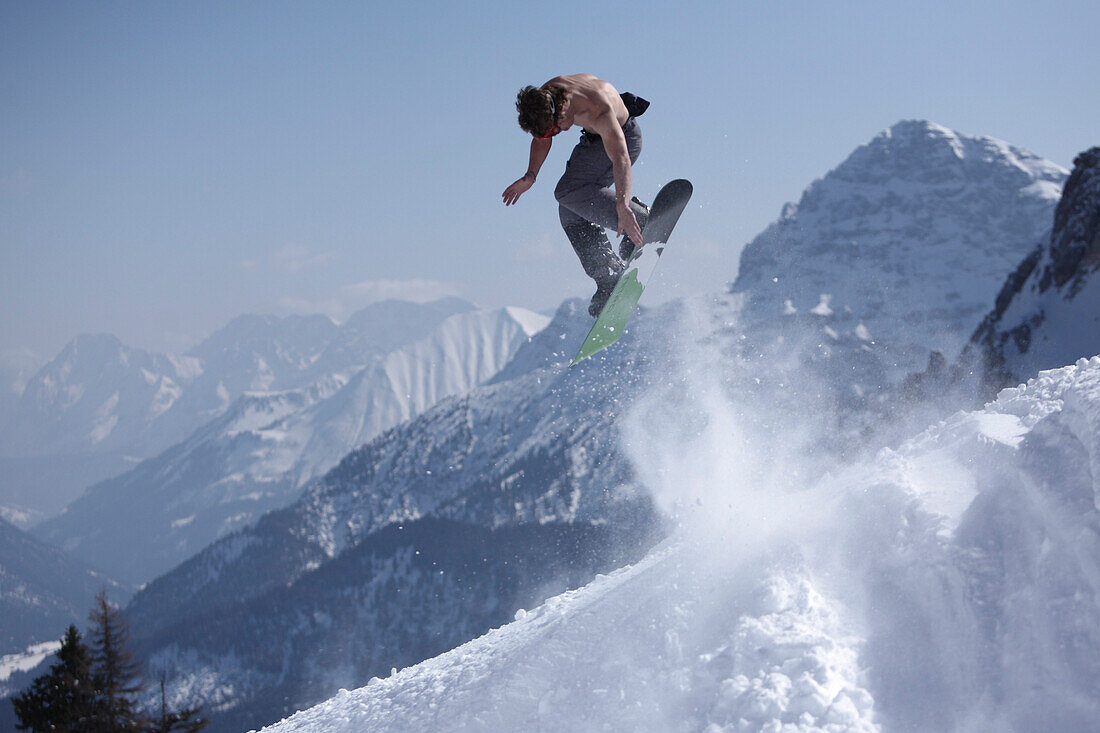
[[663, 215]]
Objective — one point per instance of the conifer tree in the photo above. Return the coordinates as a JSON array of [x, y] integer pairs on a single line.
[[94, 689], [64, 698], [116, 673]]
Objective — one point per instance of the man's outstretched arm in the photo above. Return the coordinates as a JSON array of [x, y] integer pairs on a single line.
[[539, 150]]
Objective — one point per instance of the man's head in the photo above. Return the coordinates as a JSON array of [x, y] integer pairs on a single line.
[[539, 109]]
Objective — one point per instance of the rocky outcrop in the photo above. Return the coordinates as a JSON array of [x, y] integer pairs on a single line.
[[1048, 312]]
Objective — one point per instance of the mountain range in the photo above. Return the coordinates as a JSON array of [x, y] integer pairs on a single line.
[[625, 439], [259, 452], [100, 407], [341, 511]]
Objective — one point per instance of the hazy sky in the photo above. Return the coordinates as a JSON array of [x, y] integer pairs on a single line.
[[165, 166]]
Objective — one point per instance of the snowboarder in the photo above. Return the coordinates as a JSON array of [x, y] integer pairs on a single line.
[[610, 144]]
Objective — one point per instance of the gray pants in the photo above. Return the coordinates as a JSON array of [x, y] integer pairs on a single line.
[[586, 202]]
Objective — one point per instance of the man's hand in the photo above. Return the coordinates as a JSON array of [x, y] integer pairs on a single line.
[[628, 225], [517, 189]]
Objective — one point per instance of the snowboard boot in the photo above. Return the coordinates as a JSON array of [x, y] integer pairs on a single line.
[[641, 213], [603, 292], [598, 260]]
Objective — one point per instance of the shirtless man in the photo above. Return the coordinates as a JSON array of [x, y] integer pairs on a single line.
[[610, 144]]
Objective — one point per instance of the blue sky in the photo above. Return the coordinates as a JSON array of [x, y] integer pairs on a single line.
[[166, 166]]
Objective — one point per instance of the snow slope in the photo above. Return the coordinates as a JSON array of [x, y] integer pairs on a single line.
[[259, 454], [951, 584]]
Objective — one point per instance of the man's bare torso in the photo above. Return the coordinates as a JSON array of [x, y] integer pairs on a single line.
[[587, 99]]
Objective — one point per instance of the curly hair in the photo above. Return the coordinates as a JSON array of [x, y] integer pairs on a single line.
[[538, 108]]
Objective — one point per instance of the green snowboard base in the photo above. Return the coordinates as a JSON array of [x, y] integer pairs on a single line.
[[609, 326]]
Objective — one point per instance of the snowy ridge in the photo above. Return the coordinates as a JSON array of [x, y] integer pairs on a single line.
[[33, 656], [383, 327], [74, 403], [260, 453], [464, 351], [1049, 311], [262, 353], [753, 622]]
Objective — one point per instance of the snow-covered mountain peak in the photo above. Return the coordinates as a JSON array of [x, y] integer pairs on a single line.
[[89, 356], [253, 329], [919, 214], [904, 147], [92, 346], [378, 314], [382, 327], [926, 151], [80, 398], [254, 352]]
